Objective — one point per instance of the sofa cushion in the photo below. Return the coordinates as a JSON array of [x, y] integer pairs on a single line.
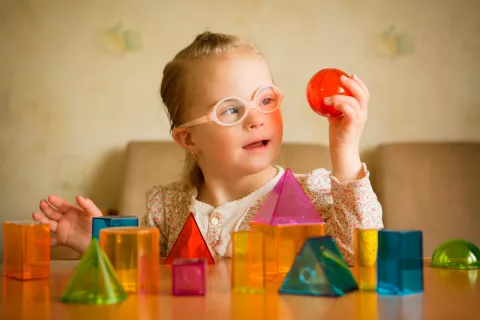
[[432, 187], [150, 163]]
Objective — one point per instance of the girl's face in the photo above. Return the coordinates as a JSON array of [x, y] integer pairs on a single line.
[[247, 147]]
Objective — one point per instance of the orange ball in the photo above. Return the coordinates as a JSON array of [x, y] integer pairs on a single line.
[[325, 83]]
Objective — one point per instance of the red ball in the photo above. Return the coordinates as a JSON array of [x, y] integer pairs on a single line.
[[325, 83]]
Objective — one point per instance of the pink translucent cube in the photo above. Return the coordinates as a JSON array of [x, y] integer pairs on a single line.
[[188, 277]]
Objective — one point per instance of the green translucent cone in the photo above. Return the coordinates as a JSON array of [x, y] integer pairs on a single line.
[[319, 270], [456, 254], [94, 280]]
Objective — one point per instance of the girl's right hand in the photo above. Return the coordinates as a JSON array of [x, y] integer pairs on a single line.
[[72, 225]]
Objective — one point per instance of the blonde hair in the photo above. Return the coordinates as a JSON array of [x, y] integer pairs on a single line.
[[174, 86]]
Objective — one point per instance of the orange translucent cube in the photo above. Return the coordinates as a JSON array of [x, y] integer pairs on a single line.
[[282, 244], [135, 255], [26, 250]]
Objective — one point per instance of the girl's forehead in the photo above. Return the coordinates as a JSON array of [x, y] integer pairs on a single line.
[[232, 74]]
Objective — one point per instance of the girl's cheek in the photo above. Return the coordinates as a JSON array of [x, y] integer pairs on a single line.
[[277, 118]]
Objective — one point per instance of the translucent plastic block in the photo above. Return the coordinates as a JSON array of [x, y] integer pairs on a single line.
[[99, 223], [26, 250], [189, 277], [456, 254], [190, 244], [399, 262], [319, 270], [94, 280], [248, 262], [365, 258], [287, 218], [134, 254], [282, 245], [287, 204]]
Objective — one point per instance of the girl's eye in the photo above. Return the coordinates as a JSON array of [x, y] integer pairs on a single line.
[[230, 111], [267, 101]]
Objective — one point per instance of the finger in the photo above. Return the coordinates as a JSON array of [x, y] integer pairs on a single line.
[[347, 110], [89, 207], [362, 84], [62, 205], [50, 212], [351, 101], [42, 219], [356, 90]]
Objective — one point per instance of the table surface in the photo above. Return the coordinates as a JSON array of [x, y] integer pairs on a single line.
[[448, 294]]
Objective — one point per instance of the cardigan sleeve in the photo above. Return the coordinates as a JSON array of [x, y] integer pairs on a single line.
[[343, 206], [155, 216]]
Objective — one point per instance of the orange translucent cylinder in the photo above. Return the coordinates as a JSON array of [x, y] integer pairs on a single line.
[[26, 250], [134, 253], [282, 244]]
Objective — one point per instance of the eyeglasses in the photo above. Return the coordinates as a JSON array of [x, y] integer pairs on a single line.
[[232, 110]]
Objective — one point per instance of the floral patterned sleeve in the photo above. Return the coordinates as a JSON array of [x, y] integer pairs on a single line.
[[344, 206], [155, 217]]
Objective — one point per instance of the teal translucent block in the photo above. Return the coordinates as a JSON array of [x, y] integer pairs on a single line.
[[399, 262], [456, 254], [99, 223], [319, 270]]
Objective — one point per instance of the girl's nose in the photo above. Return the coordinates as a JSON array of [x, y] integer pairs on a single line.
[[254, 119]]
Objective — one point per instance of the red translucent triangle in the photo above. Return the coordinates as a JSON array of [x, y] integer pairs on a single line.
[[287, 204], [190, 244]]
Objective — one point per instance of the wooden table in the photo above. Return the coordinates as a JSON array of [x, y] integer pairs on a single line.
[[448, 294]]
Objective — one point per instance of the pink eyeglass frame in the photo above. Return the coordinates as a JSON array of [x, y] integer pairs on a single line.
[[248, 106]]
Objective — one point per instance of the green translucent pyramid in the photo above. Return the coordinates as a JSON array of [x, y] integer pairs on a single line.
[[319, 270], [94, 280]]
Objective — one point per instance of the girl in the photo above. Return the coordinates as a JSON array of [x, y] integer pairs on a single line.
[[224, 110]]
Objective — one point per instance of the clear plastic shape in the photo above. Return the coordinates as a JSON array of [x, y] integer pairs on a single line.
[[456, 254]]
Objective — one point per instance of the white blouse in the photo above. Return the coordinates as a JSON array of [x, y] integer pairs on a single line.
[[231, 213]]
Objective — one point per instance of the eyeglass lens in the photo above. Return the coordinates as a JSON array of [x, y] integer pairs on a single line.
[[232, 110]]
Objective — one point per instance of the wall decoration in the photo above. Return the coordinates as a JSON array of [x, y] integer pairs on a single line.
[[393, 43], [119, 41]]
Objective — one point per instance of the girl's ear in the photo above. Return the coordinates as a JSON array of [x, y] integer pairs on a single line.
[[184, 139]]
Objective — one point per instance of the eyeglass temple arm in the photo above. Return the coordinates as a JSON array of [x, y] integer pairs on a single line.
[[195, 122]]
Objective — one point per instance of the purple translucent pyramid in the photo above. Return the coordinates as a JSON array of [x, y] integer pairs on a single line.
[[287, 204]]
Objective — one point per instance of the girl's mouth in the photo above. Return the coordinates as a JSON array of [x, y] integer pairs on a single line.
[[257, 144]]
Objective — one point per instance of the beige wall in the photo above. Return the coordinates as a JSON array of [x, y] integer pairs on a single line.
[[73, 90]]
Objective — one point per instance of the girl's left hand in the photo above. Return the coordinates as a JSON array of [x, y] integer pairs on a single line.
[[345, 131]]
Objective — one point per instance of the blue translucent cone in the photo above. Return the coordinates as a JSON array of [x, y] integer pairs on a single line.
[[94, 280], [399, 262], [319, 270]]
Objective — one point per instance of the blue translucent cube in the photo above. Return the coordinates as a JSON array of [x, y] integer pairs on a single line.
[[400, 262], [99, 223]]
